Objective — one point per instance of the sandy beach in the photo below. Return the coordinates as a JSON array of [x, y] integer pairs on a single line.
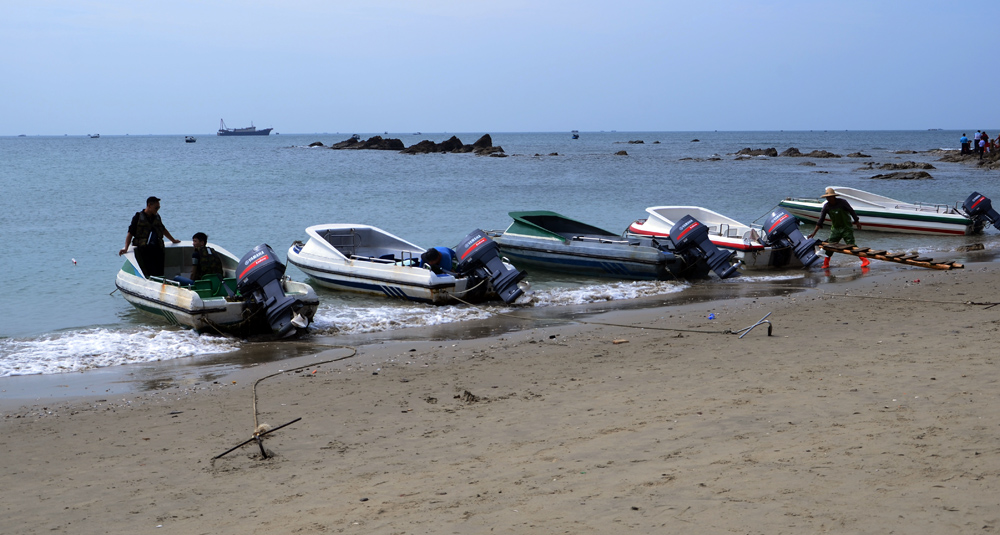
[[871, 409]]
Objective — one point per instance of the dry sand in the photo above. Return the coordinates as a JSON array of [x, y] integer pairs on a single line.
[[875, 413]]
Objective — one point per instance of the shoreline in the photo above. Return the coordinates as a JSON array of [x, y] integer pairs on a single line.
[[148, 378], [872, 408]]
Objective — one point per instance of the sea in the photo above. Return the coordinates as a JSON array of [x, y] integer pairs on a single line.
[[67, 200]]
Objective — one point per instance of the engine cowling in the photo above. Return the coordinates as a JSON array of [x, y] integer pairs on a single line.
[[782, 230], [979, 208], [479, 256], [689, 234], [258, 279]]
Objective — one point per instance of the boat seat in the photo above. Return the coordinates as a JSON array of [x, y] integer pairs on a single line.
[[213, 285]]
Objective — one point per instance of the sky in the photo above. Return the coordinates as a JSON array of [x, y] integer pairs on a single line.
[[136, 67]]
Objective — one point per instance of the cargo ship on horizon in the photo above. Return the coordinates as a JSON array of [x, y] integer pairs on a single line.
[[248, 131]]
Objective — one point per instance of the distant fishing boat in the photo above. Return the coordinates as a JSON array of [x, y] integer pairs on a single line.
[[94, 136], [248, 131], [576, 134], [190, 139]]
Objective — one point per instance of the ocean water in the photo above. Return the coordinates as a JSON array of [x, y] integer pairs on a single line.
[[66, 202]]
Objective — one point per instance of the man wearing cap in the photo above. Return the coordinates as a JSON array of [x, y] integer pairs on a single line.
[[146, 233], [841, 213]]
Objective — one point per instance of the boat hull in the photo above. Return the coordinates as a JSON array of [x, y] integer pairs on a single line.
[[363, 270], [261, 132], [934, 224], [621, 261], [724, 232], [182, 306]]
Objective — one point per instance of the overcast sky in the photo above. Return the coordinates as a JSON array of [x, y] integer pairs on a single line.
[[177, 67]]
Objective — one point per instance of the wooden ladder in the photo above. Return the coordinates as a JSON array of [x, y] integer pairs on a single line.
[[899, 258]]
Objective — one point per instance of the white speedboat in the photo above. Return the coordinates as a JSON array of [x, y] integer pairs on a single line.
[[724, 232], [879, 213], [253, 297], [366, 259]]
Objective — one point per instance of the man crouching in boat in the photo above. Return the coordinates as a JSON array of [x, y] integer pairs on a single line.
[[440, 260], [841, 213]]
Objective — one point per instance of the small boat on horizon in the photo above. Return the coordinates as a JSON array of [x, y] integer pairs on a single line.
[[251, 298], [367, 259], [576, 134], [248, 131], [94, 136], [883, 214], [190, 139]]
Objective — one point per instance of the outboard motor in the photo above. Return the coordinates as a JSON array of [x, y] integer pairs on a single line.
[[689, 233], [980, 209], [478, 254], [259, 281], [782, 230]]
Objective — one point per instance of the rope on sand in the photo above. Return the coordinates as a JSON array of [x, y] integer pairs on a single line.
[[741, 332]]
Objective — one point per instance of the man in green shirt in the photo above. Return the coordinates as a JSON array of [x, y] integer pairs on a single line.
[[841, 214]]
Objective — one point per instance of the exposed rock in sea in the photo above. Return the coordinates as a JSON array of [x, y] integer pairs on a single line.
[[372, 143], [621, 153], [772, 152], [316, 144], [810, 164], [822, 154], [695, 140], [482, 147], [906, 165], [858, 155], [904, 175], [637, 142], [794, 152]]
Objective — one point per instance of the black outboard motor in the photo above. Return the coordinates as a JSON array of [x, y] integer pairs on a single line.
[[980, 209], [478, 254], [689, 233], [259, 281], [782, 230]]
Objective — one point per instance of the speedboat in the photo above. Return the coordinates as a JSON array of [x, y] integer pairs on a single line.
[[367, 259], [878, 213], [725, 232], [558, 243], [251, 298]]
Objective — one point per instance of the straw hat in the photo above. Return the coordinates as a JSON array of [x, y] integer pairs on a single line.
[[829, 193]]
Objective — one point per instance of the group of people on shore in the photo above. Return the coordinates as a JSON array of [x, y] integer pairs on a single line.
[[981, 144]]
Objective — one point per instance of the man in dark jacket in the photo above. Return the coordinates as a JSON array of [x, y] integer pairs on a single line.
[[146, 233]]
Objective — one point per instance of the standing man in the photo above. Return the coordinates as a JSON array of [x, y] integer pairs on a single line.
[[965, 144], [841, 213], [146, 233]]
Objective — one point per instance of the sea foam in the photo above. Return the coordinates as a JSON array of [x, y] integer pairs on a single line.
[[96, 348]]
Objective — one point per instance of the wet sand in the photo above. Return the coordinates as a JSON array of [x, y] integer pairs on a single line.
[[872, 409]]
